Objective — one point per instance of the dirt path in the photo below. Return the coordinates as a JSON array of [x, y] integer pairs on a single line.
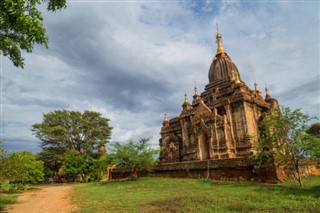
[[49, 199]]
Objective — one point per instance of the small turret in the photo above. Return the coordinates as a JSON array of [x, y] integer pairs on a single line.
[[186, 105], [165, 122], [196, 97], [256, 89], [186, 98], [195, 91], [268, 96]]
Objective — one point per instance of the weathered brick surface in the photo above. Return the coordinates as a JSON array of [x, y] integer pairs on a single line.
[[222, 169]]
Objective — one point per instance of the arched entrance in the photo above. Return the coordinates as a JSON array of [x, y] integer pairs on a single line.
[[203, 146]]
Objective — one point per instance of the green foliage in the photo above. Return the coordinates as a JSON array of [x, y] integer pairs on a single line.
[[7, 199], [54, 5], [193, 195], [65, 135], [21, 26], [133, 156], [51, 162], [63, 131], [73, 165], [21, 167], [3, 152], [96, 169], [3, 157], [12, 187], [314, 130], [284, 141], [5, 187], [82, 168]]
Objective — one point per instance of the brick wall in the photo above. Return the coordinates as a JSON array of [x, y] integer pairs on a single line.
[[220, 169]]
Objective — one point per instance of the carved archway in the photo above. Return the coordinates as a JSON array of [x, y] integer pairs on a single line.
[[204, 146]]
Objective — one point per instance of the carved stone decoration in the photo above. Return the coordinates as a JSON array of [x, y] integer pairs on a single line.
[[172, 150], [185, 129], [228, 138], [202, 112]]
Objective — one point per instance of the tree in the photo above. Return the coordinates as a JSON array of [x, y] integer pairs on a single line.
[[21, 26], [133, 156], [284, 141], [314, 130], [72, 132], [63, 131], [21, 167]]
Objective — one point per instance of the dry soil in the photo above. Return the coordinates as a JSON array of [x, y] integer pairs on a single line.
[[48, 199]]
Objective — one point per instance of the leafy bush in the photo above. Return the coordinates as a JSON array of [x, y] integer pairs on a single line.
[[133, 156], [21, 167], [5, 187], [12, 187]]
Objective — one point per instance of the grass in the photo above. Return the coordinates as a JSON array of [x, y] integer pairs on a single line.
[[10, 195], [6, 199], [191, 195]]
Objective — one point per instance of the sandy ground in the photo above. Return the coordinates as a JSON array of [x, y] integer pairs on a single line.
[[49, 199]]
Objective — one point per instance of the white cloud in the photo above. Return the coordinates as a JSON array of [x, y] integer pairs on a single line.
[[133, 62]]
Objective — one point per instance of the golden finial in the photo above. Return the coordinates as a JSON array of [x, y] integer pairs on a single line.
[[185, 97], [195, 90], [256, 86], [267, 91], [219, 41], [165, 117]]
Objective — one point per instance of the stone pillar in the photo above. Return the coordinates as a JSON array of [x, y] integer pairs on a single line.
[[215, 113], [197, 139], [229, 116], [211, 150], [229, 146]]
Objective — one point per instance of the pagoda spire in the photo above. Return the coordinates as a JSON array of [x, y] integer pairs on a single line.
[[165, 119], [165, 122], [267, 91], [256, 86], [186, 105], [219, 41], [195, 91], [186, 98], [196, 96], [268, 96]]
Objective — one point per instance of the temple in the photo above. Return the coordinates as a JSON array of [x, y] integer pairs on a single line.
[[218, 130], [221, 122]]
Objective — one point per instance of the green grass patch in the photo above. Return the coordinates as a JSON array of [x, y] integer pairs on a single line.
[[192, 195], [6, 199]]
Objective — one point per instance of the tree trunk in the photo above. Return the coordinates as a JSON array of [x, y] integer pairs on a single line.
[[296, 165]]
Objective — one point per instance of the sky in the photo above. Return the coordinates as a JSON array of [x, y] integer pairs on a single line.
[[132, 61]]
